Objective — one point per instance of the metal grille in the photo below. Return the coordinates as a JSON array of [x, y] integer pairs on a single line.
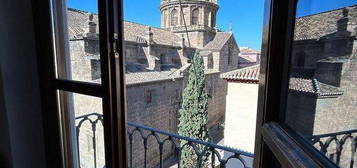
[[333, 144], [162, 138]]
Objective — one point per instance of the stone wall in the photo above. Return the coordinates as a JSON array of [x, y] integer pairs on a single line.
[[340, 114], [228, 56], [80, 64], [300, 112]]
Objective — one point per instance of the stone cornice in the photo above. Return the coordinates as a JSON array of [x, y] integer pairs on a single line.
[[191, 28]]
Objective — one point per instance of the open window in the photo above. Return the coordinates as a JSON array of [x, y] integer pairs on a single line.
[[301, 111], [80, 83]]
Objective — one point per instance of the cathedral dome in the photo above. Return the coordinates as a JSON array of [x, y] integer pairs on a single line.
[[198, 14]]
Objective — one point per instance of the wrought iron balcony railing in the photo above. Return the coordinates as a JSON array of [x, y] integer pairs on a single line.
[[333, 144], [162, 138]]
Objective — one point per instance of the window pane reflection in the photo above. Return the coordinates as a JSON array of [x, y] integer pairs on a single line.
[[322, 97]]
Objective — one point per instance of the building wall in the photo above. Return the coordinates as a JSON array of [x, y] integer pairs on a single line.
[[242, 101], [80, 62], [341, 112], [300, 112]]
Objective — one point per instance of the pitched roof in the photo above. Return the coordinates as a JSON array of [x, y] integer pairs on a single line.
[[219, 41], [313, 86], [133, 32], [244, 75], [156, 76], [321, 24], [77, 22]]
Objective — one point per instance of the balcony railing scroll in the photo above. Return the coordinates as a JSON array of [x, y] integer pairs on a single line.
[[161, 138], [338, 141]]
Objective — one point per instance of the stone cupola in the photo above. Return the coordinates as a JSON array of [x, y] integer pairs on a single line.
[[198, 15]]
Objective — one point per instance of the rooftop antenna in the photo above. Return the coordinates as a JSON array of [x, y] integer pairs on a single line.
[[184, 22]]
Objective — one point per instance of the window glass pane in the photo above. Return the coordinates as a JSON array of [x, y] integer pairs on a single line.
[[76, 30], [323, 75], [84, 117]]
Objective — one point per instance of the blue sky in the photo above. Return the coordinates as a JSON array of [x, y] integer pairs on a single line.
[[246, 16]]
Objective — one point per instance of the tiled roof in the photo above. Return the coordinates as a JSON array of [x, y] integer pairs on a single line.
[[77, 21], [245, 75], [219, 41], [321, 24], [133, 32], [313, 86], [144, 77], [156, 76]]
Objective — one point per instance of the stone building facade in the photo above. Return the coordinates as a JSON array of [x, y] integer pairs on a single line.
[[156, 60]]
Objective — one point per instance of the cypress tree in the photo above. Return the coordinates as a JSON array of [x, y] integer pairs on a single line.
[[193, 118]]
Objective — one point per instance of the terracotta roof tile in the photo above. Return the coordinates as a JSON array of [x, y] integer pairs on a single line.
[[313, 86], [248, 74]]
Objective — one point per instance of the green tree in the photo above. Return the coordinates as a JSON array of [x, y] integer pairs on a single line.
[[193, 115]]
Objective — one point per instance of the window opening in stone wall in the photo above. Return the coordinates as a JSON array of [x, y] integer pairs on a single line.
[[174, 17], [195, 16], [149, 96]]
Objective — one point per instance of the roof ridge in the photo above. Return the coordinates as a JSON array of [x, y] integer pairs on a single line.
[[81, 11]]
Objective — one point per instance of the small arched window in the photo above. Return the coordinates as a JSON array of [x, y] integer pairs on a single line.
[[195, 17], [213, 23], [174, 17]]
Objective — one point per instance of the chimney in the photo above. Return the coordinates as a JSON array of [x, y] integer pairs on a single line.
[[343, 22], [92, 27]]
